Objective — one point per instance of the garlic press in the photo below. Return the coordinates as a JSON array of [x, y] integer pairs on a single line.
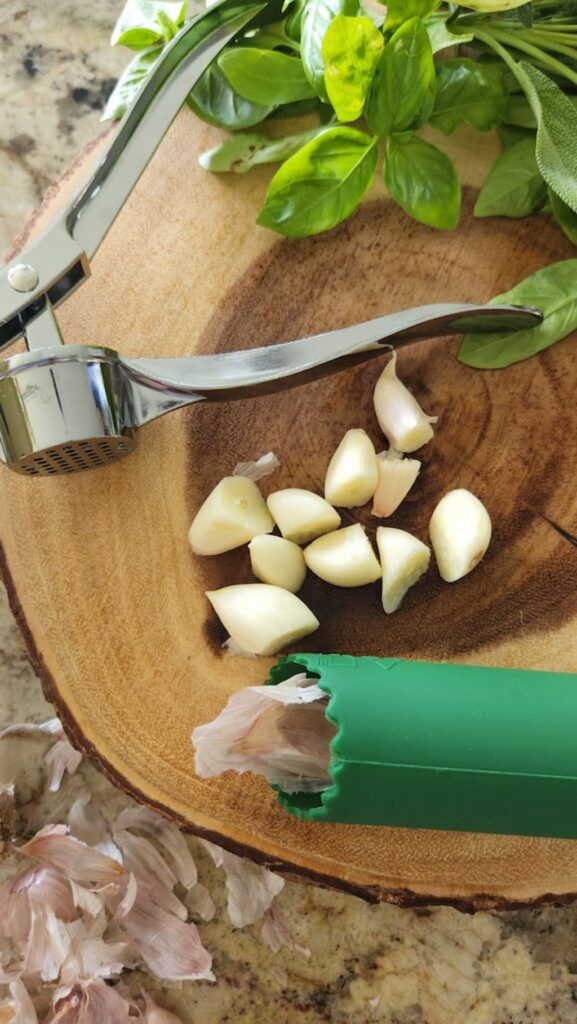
[[69, 407]]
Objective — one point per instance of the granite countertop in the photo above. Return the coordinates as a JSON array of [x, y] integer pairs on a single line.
[[367, 963]]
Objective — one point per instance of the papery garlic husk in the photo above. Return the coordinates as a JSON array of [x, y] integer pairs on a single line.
[[277, 561], [344, 558], [280, 732], [399, 414], [234, 512], [396, 477], [404, 559], [460, 532], [301, 515], [353, 473], [262, 619]]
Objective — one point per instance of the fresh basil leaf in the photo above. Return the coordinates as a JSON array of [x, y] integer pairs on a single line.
[[312, 106], [399, 11], [265, 76], [139, 26], [519, 112], [440, 34], [351, 48], [272, 37], [320, 185], [564, 215], [403, 90], [244, 150], [468, 93], [294, 19], [556, 149], [509, 135], [215, 101], [515, 187], [316, 18], [553, 290], [129, 83], [423, 181]]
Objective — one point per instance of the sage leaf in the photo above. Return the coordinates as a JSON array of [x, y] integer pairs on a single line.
[[320, 185], [399, 11], [143, 22], [553, 290], [564, 215], [351, 48], [423, 181], [468, 93], [556, 149], [403, 90], [514, 187], [129, 83], [215, 101], [247, 149], [265, 76], [316, 18]]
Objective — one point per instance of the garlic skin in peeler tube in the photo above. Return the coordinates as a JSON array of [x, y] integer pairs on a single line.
[[260, 618], [277, 561], [396, 477], [353, 474], [234, 512], [344, 558], [404, 559], [460, 532], [399, 414], [301, 515]]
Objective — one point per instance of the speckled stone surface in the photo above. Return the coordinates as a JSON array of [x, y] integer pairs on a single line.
[[367, 963]]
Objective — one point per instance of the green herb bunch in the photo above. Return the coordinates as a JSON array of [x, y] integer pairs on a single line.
[[372, 81]]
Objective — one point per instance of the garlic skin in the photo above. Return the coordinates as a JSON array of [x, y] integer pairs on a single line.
[[344, 558], [260, 618], [301, 515], [400, 416], [396, 477], [277, 561], [460, 532], [404, 559], [234, 513], [353, 473]]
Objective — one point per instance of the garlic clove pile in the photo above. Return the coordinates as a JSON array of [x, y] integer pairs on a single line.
[[460, 532], [262, 619], [396, 477], [277, 561], [404, 559], [353, 473], [234, 512], [399, 414], [301, 515], [344, 558]]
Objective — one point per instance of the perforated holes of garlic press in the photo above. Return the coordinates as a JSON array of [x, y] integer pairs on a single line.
[[67, 458]]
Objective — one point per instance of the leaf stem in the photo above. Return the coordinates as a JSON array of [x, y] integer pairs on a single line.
[[494, 38]]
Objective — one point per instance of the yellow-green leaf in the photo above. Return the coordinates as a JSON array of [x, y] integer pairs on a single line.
[[351, 48]]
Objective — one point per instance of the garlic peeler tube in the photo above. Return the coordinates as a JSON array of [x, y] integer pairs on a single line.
[[439, 746]]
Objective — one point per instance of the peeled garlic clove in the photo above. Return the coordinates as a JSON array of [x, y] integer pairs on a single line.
[[353, 474], [404, 559], [460, 532], [400, 416], [396, 477], [345, 558], [301, 515], [277, 561], [262, 619], [234, 512]]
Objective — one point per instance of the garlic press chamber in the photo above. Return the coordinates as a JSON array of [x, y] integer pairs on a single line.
[[68, 407]]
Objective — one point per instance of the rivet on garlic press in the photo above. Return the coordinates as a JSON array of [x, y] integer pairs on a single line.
[[22, 277]]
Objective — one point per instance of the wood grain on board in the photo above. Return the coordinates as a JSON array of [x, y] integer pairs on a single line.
[[110, 598]]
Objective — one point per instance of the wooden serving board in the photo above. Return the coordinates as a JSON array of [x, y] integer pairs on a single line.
[[110, 598]]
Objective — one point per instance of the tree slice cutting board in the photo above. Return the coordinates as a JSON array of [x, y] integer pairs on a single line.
[[110, 598]]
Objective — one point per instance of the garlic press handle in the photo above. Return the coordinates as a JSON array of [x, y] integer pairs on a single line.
[[255, 371], [58, 260]]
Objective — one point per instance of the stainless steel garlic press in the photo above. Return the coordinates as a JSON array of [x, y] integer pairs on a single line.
[[71, 407]]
